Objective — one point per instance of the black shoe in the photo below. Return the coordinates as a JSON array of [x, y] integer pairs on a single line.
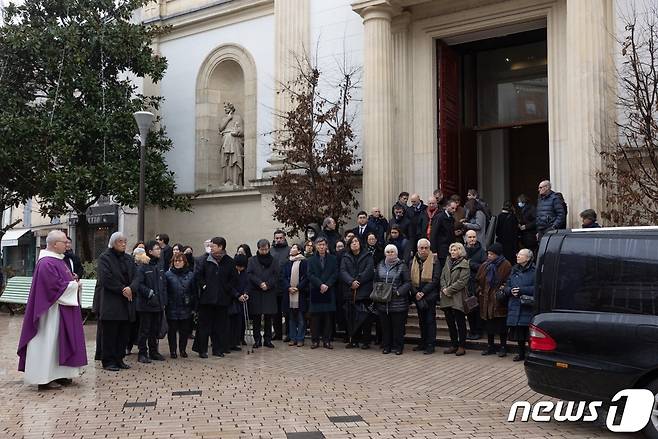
[[268, 344], [428, 351], [156, 356], [276, 337], [236, 348], [327, 345], [257, 345], [419, 348], [351, 345], [123, 365], [53, 385], [386, 351], [365, 346], [398, 352], [473, 336], [518, 358], [183, 354], [173, 355], [451, 350], [502, 352], [64, 381], [489, 351], [111, 367], [143, 358], [315, 345], [203, 355], [218, 354]]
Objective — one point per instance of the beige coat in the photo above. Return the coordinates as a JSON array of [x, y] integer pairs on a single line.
[[455, 281]]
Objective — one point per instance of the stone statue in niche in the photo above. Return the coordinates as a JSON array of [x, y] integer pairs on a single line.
[[231, 149]]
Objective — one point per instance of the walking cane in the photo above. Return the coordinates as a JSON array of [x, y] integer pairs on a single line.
[[249, 333]]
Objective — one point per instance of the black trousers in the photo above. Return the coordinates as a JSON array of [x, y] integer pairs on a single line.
[[149, 326], [99, 341], [427, 323], [456, 321], [321, 326], [393, 330], [474, 321], [237, 328], [257, 327], [133, 335], [114, 337], [495, 326], [278, 318], [181, 328], [213, 323]]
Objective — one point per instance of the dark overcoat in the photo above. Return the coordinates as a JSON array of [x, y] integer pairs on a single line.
[[317, 276], [152, 292], [523, 278], [398, 275], [218, 281], [115, 272], [262, 302], [489, 307], [360, 268], [181, 292]]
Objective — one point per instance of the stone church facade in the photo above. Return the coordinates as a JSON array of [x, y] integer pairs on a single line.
[[488, 93]]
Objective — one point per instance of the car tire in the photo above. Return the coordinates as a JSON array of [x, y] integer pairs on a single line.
[[651, 430]]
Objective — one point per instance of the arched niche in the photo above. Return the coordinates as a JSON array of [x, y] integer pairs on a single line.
[[228, 74]]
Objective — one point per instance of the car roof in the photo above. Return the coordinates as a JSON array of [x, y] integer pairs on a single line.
[[633, 229]]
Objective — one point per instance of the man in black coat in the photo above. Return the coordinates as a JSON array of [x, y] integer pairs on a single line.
[[117, 286], [218, 280], [280, 252], [72, 261], [443, 232], [402, 222], [415, 212], [363, 229], [167, 251]]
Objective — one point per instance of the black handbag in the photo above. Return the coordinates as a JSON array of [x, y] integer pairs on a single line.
[[164, 326], [422, 304], [501, 297], [527, 300], [382, 292]]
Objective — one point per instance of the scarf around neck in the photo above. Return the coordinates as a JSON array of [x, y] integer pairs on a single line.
[[422, 271], [294, 279], [430, 216], [265, 260], [492, 268]]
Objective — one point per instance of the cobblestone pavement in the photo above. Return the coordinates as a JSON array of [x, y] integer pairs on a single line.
[[276, 392]]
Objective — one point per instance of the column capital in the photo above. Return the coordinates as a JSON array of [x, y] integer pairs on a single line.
[[375, 9]]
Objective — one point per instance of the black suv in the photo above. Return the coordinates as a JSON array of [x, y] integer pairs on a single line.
[[596, 326]]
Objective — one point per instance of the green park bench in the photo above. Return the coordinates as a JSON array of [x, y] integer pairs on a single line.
[[18, 289]]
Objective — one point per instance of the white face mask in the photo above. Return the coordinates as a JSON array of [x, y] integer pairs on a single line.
[[520, 204], [208, 249]]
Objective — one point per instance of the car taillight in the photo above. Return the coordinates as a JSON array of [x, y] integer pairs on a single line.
[[540, 340]]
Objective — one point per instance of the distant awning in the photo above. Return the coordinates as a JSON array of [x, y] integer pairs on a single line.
[[10, 238]]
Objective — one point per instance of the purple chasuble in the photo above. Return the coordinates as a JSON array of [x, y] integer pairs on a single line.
[[51, 277]]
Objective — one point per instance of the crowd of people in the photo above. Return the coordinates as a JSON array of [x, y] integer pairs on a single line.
[[475, 267]]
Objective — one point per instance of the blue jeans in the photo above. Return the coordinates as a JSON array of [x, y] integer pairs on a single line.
[[296, 329]]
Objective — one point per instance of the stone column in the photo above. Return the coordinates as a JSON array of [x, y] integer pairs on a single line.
[[590, 65], [292, 40], [402, 113], [378, 169]]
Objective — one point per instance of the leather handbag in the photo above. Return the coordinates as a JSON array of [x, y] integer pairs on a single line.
[[422, 304], [382, 292], [164, 326], [470, 303], [501, 297], [527, 300]]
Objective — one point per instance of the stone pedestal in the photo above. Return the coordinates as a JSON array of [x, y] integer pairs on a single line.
[[378, 169]]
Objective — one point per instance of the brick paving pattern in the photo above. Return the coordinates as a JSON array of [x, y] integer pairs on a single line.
[[277, 393]]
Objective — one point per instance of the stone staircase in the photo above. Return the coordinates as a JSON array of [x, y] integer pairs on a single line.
[[412, 331]]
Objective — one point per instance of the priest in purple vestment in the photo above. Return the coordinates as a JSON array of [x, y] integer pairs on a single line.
[[52, 345]]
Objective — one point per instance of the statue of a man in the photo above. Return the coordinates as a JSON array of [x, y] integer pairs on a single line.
[[231, 150]]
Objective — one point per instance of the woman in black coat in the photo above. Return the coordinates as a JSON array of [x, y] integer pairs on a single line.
[[151, 301], [375, 248], [527, 215], [263, 276], [356, 274], [181, 301], [393, 315]]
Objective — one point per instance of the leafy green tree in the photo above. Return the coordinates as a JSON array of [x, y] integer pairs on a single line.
[[70, 68]]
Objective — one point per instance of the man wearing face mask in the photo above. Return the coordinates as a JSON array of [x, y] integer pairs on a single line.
[[72, 261], [527, 214]]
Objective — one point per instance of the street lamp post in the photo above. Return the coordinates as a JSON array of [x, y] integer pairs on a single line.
[[144, 121]]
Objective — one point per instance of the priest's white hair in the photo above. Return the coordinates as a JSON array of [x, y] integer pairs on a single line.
[[54, 236], [114, 238]]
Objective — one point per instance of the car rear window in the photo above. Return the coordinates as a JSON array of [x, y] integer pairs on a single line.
[[608, 274]]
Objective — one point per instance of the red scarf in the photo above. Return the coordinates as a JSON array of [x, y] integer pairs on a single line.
[[430, 215]]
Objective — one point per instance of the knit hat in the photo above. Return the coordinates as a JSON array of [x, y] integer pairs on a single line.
[[496, 248]]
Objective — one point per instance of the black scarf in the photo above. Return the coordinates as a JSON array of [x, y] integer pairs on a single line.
[[180, 271], [265, 260]]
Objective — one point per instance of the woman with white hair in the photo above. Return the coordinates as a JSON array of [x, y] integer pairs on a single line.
[[118, 286], [520, 290], [393, 314]]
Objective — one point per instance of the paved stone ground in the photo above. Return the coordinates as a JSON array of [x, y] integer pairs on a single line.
[[275, 393]]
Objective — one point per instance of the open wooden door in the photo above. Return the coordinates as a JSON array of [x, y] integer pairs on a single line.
[[449, 120]]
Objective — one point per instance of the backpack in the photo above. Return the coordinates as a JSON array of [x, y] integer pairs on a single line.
[[564, 206]]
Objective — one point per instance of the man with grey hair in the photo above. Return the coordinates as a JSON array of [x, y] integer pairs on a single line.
[[551, 212], [425, 276], [51, 349], [118, 285], [519, 289]]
